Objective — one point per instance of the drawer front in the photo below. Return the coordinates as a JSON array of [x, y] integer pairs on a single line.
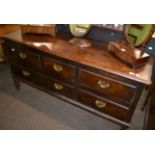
[[107, 86], [24, 57], [58, 70], [103, 105], [26, 74], [59, 87], [28, 59]]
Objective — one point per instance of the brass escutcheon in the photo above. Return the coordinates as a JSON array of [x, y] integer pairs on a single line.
[[58, 86], [103, 84], [57, 67], [22, 55], [26, 73], [100, 104]]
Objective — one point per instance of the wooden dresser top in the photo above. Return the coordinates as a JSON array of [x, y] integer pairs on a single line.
[[95, 56]]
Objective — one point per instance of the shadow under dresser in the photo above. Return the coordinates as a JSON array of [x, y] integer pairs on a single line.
[[90, 78]]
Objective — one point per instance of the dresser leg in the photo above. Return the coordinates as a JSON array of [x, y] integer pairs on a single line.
[[150, 89], [16, 83]]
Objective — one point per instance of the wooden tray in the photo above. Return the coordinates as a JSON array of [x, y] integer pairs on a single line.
[[49, 29]]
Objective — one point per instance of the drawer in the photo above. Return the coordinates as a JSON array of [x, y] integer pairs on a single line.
[[58, 70], [24, 57], [103, 105], [26, 74], [59, 87], [107, 86]]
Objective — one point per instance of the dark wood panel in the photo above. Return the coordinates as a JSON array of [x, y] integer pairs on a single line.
[[59, 87], [27, 74], [24, 57], [30, 60], [106, 85], [104, 105], [58, 70]]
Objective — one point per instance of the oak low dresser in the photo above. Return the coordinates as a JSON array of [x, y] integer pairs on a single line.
[[90, 78]]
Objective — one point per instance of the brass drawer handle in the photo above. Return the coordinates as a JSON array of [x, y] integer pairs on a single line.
[[58, 86], [22, 55], [57, 67], [13, 49], [26, 73], [100, 104], [103, 84]]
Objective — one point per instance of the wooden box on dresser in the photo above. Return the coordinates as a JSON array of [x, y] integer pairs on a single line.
[[89, 78]]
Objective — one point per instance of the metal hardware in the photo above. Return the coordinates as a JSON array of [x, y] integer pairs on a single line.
[[58, 86], [22, 55], [100, 104], [26, 73], [12, 49], [103, 84], [57, 67]]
